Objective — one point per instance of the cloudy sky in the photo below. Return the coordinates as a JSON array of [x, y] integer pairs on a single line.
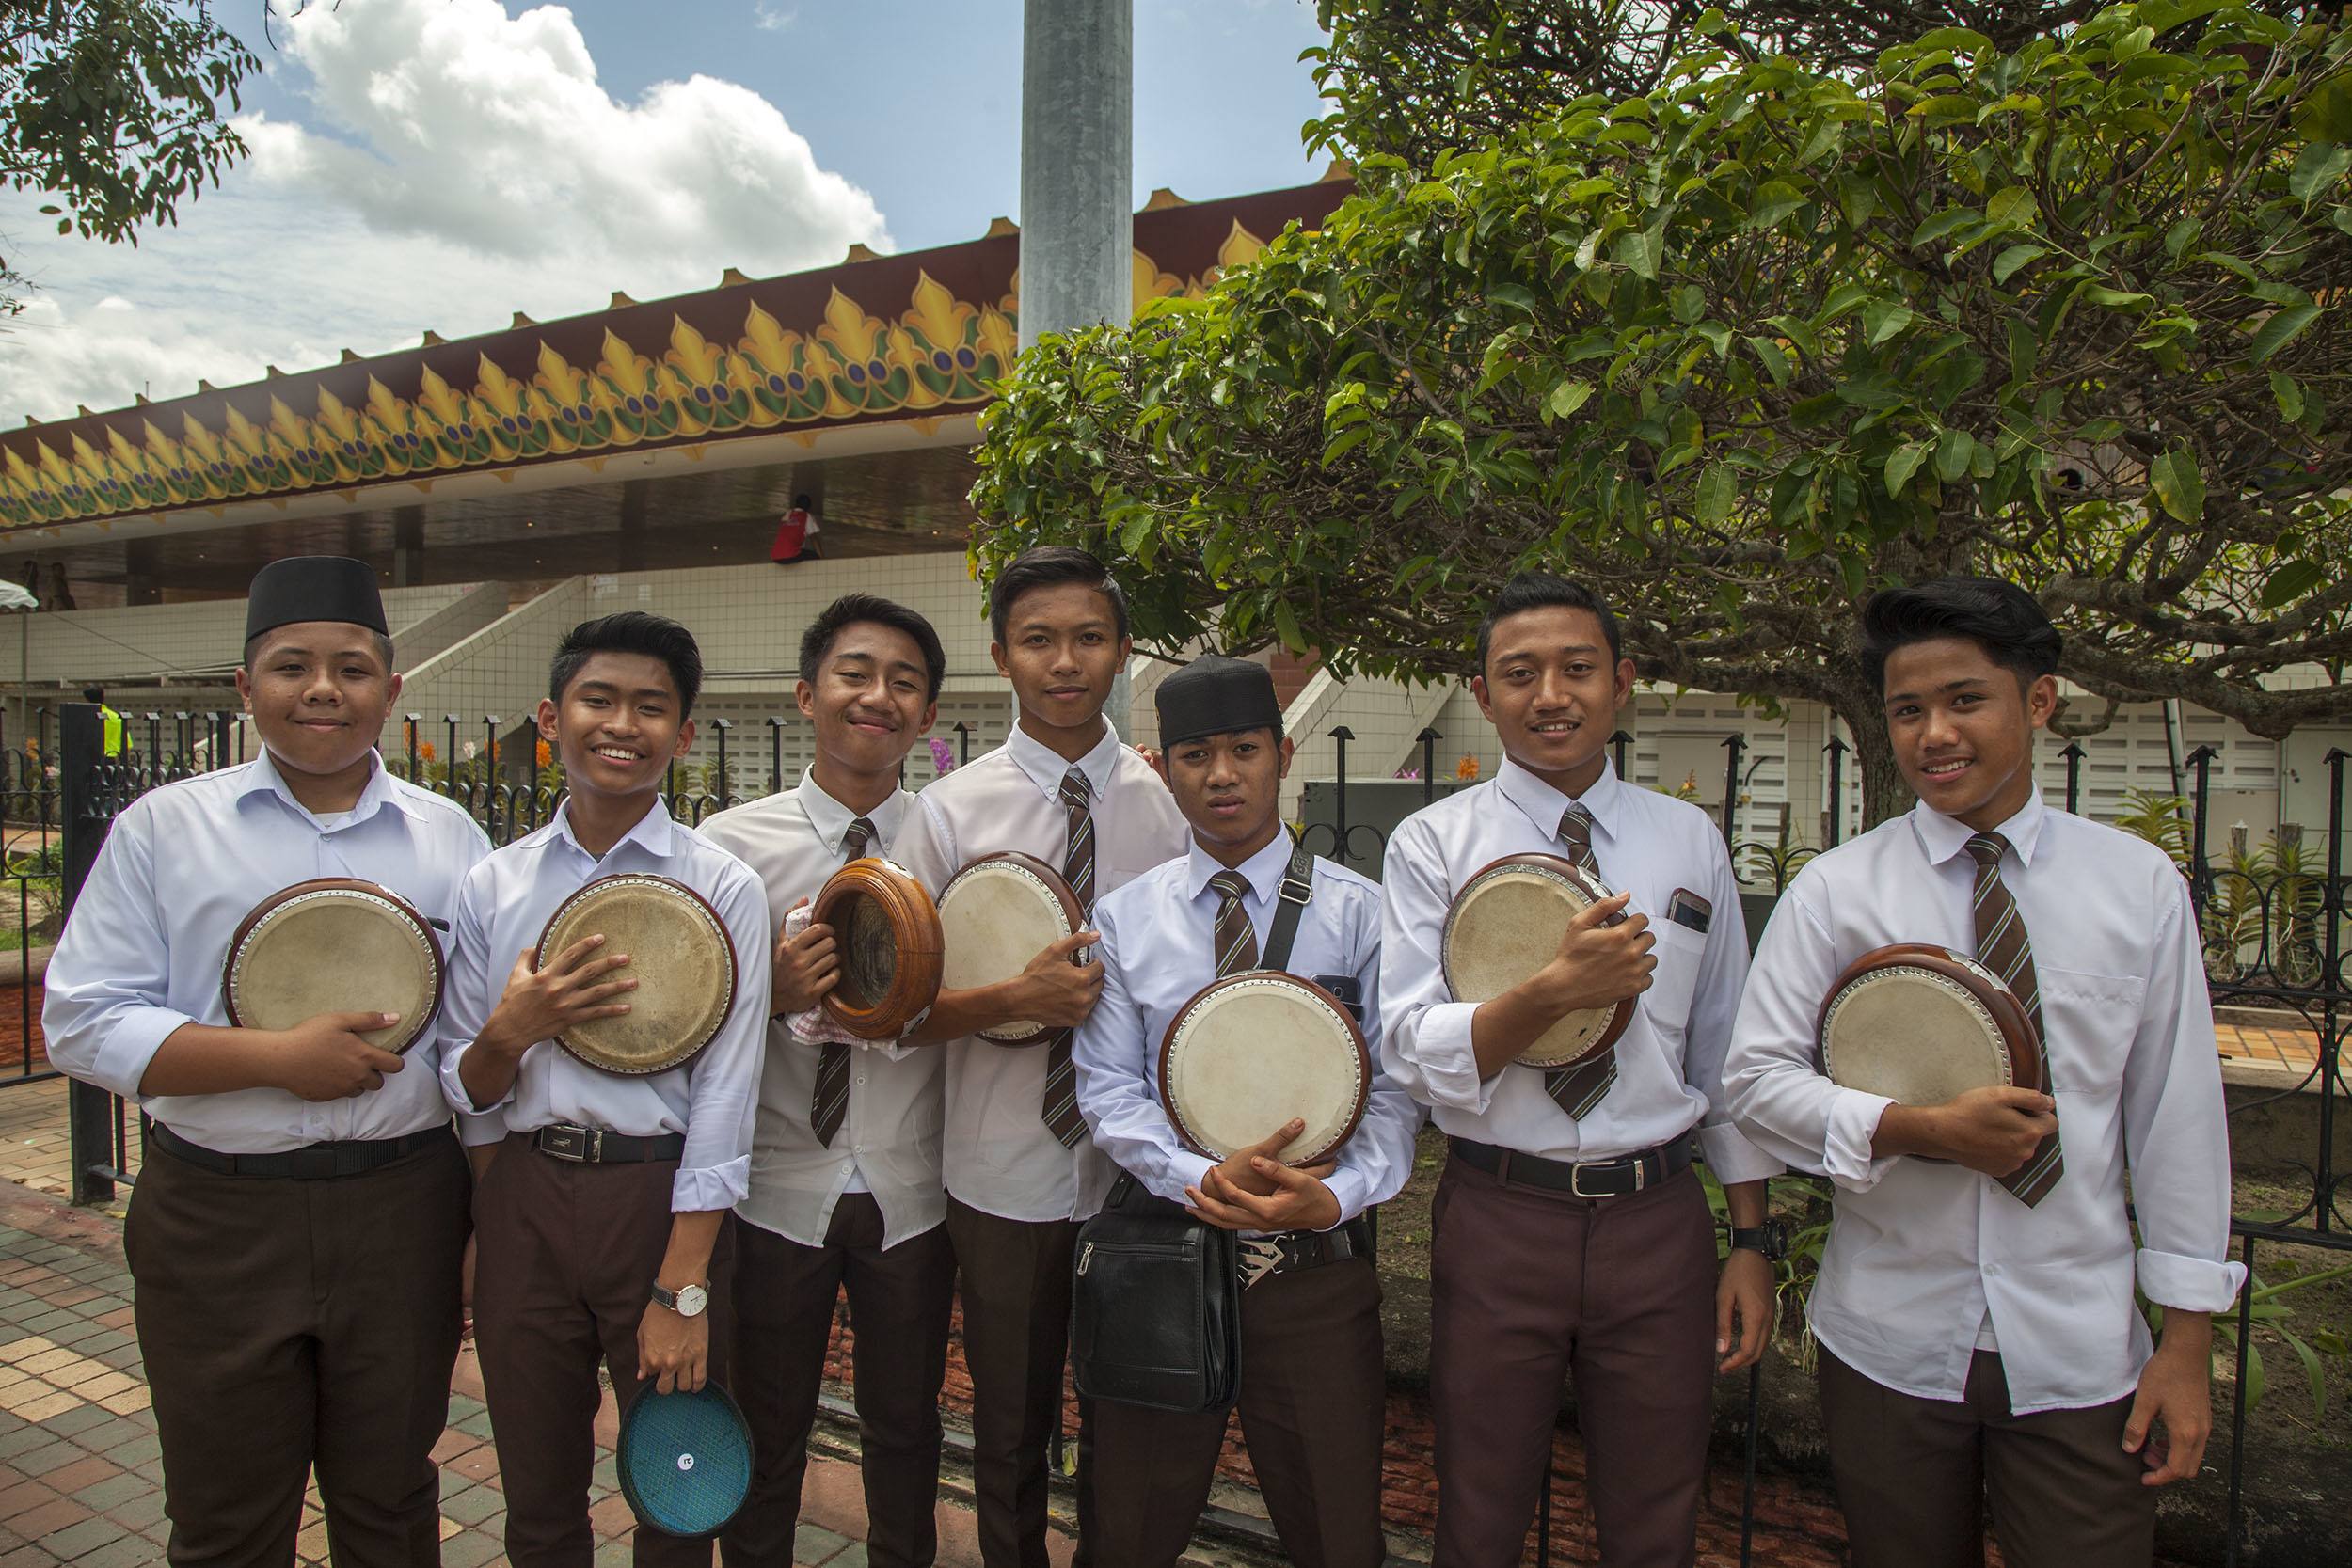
[[445, 163]]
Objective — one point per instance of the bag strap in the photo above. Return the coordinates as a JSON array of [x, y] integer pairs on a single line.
[[1298, 885]]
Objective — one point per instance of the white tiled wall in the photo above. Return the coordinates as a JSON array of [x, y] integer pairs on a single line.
[[146, 640]]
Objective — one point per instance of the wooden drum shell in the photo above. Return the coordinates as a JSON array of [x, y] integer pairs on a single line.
[[873, 900]]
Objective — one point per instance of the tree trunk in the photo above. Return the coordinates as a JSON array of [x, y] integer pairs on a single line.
[[1884, 792]]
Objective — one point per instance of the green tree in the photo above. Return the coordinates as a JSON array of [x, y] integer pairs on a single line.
[[114, 109], [1741, 349]]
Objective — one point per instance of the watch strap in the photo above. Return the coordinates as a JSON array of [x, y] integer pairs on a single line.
[[1769, 1239]]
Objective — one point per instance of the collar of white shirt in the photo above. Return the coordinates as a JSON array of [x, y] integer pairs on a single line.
[[652, 831], [1263, 871], [1544, 805], [264, 777], [1942, 838], [1046, 767], [831, 820]]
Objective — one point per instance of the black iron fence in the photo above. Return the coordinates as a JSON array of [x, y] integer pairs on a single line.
[[2272, 916]]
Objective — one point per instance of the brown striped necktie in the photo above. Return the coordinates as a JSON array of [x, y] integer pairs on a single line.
[[830, 1101], [1060, 1109], [2003, 947], [1581, 1087], [1237, 938]]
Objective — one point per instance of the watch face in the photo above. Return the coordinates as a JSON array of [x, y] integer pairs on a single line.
[[692, 1300]]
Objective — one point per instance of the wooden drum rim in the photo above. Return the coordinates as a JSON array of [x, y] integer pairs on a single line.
[[915, 928], [1620, 1017], [2008, 1013], [726, 947], [1053, 882], [311, 888], [1338, 1009]]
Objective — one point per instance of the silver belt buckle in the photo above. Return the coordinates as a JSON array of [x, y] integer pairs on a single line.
[[1576, 1178], [1257, 1257]]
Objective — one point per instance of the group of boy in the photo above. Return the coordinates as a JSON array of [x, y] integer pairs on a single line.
[[305, 1226]]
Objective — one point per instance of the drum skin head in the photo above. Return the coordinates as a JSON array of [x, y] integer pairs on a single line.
[[1250, 1052], [1922, 1025], [684, 1460], [999, 913], [331, 945], [1506, 924], [886, 930], [680, 955]]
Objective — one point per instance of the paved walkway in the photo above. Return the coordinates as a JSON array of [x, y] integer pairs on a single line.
[[80, 1475]]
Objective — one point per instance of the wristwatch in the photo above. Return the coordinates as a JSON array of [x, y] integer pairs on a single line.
[[1771, 1239], [686, 1301]]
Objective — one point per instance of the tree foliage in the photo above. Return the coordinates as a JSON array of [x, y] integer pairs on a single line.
[[1413, 78], [1741, 349], [115, 108]]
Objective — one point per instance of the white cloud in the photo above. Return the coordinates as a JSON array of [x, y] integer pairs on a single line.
[[460, 165], [767, 19]]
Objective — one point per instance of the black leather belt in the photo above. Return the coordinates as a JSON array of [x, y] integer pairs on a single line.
[[1621, 1177], [1289, 1251], [594, 1145], [310, 1162]]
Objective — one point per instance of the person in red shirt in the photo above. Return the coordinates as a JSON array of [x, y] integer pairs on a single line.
[[796, 535]]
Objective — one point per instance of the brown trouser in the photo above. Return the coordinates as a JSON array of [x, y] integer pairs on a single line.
[[289, 1324], [1014, 1283], [1314, 1397], [899, 1299], [563, 1272], [1912, 1475], [1527, 1285]]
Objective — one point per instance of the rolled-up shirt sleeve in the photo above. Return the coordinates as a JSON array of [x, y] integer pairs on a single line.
[[1425, 1044], [476, 979], [1111, 1052], [1373, 1163], [2175, 1127], [1776, 1095], [103, 1016], [1714, 1007], [722, 1083]]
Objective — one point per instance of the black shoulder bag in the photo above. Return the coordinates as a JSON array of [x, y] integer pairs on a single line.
[[1155, 1312]]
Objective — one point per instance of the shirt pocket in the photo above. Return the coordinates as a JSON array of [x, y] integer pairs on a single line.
[[2089, 1022], [1675, 981]]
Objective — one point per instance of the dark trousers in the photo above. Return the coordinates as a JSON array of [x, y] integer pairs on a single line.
[[899, 1300], [1529, 1284], [1313, 1398], [1912, 1475], [563, 1266], [1015, 1282], [287, 1325]]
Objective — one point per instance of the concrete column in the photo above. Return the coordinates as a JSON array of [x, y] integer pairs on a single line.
[[1077, 177], [1077, 158]]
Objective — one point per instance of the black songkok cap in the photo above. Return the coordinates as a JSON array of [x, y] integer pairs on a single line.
[[314, 588], [1217, 696]]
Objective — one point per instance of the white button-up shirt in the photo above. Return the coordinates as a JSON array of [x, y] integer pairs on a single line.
[[1920, 1252], [1000, 1156], [1670, 1058], [1159, 949], [180, 869], [505, 907], [888, 1141]]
